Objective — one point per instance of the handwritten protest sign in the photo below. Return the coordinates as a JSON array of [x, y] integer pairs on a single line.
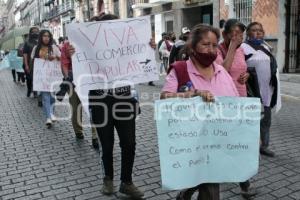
[[112, 54], [15, 61], [207, 142], [4, 64], [12, 61], [47, 75]]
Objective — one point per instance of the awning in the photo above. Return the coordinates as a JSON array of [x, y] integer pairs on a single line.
[[14, 38]]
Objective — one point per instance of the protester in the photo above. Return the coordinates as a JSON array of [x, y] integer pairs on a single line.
[[176, 53], [206, 79], [61, 42], [163, 38], [13, 71], [165, 50], [21, 75], [172, 37], [231, 57], [259, 57], [45, 49], [76, 106], [115, 108], [28, 46]]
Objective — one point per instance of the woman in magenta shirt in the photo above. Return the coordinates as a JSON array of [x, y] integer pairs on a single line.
[[206, 79]]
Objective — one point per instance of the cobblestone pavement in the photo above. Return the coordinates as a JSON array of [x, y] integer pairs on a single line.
[[38, 163]]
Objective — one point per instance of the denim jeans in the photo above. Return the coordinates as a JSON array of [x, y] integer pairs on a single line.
[[48, 103]]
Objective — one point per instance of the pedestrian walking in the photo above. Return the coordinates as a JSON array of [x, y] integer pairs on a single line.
[[110, 109], [200, 76], [231, 56], [45, 49], [165, 50], [163, 37], [76, 106], [28, 46], [260, 57], [177, 50]]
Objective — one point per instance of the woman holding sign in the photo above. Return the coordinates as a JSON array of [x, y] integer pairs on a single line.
[[115, 109], [200, 76], [45, 49]]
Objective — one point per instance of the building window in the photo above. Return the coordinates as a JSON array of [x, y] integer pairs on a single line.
[[243, 10]]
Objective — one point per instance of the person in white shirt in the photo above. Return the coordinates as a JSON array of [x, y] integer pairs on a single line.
[[259, 57], [165, 49]]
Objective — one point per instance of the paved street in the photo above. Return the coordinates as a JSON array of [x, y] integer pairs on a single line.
[[38, 163]]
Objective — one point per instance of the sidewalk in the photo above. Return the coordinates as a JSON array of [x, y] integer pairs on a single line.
[[290, 85]]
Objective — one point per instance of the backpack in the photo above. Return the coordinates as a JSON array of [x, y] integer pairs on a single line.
[[182, 74]]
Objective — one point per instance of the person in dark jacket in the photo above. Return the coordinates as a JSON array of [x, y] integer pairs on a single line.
[[176, 51], [28, 46]]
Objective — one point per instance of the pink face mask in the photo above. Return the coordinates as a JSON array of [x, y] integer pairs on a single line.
[[205, 59]]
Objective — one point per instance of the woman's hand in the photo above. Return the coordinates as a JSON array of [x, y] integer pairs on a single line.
[[51, 58], [236, 41], [243, 78], [70, 50], [27, 69], [152, 43], [207, 96]]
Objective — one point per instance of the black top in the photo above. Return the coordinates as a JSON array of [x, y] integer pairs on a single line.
[[28, 46]]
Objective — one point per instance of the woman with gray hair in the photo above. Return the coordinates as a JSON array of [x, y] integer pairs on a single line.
[[259, 56]]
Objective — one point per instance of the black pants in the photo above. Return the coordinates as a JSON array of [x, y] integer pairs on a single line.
[[265, 125], [21, 77], [210, 191], [206, 191], [13, 71], [29, 83], [109, 112]]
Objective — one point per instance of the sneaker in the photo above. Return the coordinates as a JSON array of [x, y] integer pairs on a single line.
[[267, 152], [131, 190], [186, 194], [151, 83], [108, 186], [28, 93], [79, 136], [48, 122], [95, 143], [249, 193], [53, 118]]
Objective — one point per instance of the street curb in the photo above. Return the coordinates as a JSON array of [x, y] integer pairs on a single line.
[[286, 96]]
